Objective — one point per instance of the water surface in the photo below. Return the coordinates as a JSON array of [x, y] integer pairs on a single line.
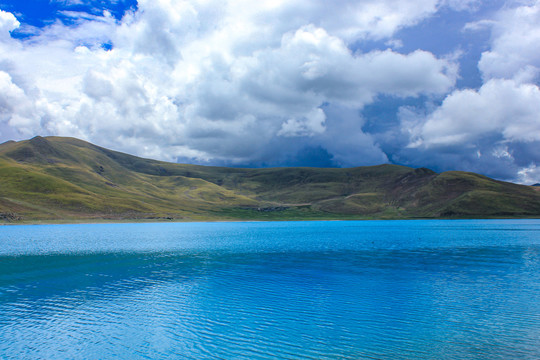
[[263, 290]]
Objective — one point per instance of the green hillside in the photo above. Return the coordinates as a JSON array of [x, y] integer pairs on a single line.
[[66, 179]]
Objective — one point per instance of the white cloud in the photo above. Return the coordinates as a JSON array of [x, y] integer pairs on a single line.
[[256, 82], [529, 175], [84, 2], [16, 109], [494, 129], [368, 19], [394, 43], [479, 25], [8, 23], [499, 106], [312, 124], [515, 48], [215, 80]]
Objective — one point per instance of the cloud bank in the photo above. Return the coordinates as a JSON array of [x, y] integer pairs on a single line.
[[276, 83], [494, 129]]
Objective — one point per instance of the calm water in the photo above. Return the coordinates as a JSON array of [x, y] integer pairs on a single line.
[[289, 290]]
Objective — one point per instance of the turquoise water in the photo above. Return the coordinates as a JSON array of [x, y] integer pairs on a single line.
[[291, 290]]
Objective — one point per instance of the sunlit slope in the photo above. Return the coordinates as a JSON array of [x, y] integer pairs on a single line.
[[57, 178]]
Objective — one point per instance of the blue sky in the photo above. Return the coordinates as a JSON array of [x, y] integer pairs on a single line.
[[445, 84], [41, 13]]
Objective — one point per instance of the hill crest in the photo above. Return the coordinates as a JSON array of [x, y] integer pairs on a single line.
[[67, 179]]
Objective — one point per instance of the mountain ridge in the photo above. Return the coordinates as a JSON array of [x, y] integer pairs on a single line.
[[67, 179]]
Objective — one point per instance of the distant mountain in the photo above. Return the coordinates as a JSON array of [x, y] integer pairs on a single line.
[[66, 179]]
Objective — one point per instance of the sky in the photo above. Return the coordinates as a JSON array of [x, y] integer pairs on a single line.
[[443, 84]]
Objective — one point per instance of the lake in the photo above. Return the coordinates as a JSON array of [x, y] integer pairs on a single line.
[[449, 289]]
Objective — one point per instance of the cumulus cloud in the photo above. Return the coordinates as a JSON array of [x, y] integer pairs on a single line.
[[272, 83], [215, 81], [494, 129], [308, 126], [515, 49], [499, 106], [8, 23], [371, 18]]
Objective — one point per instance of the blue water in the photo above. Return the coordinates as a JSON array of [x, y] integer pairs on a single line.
[[265, 290]]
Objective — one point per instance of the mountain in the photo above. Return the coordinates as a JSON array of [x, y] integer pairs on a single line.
[[66, 179]]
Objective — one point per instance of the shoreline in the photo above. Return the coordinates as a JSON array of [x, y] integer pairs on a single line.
[[153, 221]]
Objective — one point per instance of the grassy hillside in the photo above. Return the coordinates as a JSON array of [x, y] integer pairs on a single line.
[[65, 179]]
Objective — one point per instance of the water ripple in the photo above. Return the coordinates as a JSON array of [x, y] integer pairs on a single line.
[[461, 302]]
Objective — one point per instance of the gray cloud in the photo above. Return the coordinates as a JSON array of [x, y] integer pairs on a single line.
[[271, 83], [494, 129]]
